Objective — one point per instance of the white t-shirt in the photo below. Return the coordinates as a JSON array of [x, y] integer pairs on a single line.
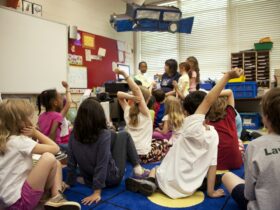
[[64, 127], [142, 133], [146, 82], [184, 79], [15, 166], [186, 164]]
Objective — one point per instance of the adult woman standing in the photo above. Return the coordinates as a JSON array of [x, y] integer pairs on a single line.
[[169, 76]]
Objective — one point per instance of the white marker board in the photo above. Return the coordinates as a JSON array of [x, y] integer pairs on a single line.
[[77, 77], [34, 53]]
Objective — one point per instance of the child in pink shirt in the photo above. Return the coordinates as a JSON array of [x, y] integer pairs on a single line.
[[51, 121]]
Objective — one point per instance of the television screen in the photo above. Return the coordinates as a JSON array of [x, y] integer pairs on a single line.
[[125, 68]]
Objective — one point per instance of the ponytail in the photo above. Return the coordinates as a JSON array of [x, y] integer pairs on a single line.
[[133, 115], [45, 99]]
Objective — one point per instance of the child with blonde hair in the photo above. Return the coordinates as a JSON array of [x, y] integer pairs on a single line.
[[23, 185], [183, 85], [139, 122], [172, 120]]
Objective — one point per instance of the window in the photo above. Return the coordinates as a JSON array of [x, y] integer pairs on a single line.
[[253, 20], [156, 48], [220, 27]]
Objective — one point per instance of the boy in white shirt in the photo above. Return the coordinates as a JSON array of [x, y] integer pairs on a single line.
[[142, 77], [193, 156]]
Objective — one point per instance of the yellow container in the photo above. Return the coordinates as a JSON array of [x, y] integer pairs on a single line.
[[242, 78]]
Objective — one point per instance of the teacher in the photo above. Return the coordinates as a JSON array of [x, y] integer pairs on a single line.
[[169, 76]]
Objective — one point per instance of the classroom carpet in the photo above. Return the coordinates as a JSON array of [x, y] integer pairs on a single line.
[[118, 198]]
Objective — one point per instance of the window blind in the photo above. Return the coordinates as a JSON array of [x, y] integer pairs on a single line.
[[252, 20], [208, 41], [157, 47]]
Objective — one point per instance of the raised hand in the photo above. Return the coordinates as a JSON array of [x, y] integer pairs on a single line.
[[235, 73], [65, 84]]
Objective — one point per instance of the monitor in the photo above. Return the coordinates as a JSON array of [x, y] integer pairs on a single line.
[[125, 68]]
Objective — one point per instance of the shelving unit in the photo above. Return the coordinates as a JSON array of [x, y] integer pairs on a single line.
[[263, 69], [256, 65]]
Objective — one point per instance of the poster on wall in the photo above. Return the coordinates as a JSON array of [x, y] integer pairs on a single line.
[[88, 41], [75, 59]]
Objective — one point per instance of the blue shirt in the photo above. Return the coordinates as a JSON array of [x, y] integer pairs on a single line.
[[166, 82]]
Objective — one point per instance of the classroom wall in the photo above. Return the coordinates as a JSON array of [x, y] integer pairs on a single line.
[[89, 15]]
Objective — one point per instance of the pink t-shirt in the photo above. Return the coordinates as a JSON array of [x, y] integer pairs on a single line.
[[193, 82], [45, 122]]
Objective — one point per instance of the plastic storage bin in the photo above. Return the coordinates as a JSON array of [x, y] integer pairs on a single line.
[[242, 78], [206, 86], [251, 120], [243, 89], [263, 46]]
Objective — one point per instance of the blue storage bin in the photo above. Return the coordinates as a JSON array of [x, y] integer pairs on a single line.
[[206, 86], [243, 89], [251, 120]]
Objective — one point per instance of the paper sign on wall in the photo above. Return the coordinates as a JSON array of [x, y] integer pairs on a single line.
[[121, 56], [101, 52], [121, 45], [88, 41], [77, 77], [88, 55]]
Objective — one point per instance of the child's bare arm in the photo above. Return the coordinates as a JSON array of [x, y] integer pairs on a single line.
[[230, 97], [54, 127], [123, 97], [164, 129], [68, 99], [211, 179], [136, 92], [45, 143], [212, 96]]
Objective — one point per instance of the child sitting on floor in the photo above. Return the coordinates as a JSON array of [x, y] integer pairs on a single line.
[[159, 106], [101, 158], [222, 116], [183, 85], [193, 155], [51, 121], [22, 184], [139, 123], [261, 187], [172, 121]]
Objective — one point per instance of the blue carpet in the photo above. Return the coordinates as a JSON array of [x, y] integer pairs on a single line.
[[118, 198]]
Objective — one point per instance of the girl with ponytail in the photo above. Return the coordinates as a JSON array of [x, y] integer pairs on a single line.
[[139, 122]]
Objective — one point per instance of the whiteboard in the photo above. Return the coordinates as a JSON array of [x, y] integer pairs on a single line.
[[77, 77], [33, 53]]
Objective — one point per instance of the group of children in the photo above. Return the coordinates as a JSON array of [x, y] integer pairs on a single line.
[[192, 133]]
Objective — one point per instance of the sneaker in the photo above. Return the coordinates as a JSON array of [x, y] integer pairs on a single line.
[[142, 186], [59, 202], [144, 175]]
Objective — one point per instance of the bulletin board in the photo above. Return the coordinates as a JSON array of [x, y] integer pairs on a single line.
[[98, 71]]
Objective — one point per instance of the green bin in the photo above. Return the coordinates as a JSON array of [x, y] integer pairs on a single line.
[[263, 46]]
